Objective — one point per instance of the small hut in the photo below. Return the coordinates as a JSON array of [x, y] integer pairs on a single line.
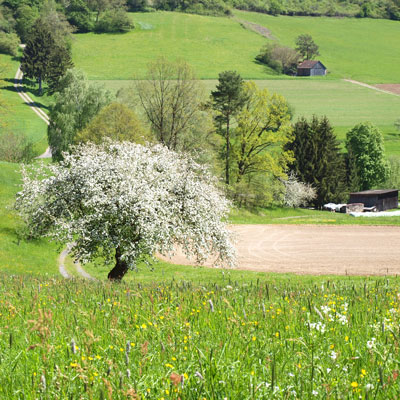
[[380, 199], [311, 68]]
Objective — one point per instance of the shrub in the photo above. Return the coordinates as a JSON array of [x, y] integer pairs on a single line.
[[297, 193], [113, 21], [15, 148], [282, 59], [9, 43]]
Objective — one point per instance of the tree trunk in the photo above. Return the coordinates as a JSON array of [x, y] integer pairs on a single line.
[[227, 152], [40, 85], [120, 269]]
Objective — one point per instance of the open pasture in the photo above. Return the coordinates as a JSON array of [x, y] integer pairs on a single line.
[[209, 44], [363, 49], [269, 338], [15, 115]]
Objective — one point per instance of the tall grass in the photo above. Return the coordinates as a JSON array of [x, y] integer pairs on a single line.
[[269, 339]]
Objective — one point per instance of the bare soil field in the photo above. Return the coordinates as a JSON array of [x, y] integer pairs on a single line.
[[316, 249], [390, 87]]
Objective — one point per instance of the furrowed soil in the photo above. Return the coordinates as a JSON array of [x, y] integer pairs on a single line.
[[315, 249]]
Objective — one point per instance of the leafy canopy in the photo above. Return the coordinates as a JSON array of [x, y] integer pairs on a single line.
[[365, 149]]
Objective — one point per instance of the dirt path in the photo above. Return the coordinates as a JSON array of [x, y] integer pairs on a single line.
[[61, 267], [34, 107], [261, 30], [371, 87], [316, 249]]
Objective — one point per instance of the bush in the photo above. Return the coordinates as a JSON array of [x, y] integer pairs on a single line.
[[15, 148], [282, 59], [298, 193], [113, 21], [9, 43]]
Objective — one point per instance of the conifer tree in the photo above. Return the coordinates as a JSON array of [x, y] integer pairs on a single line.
[[227, 100], [318, 160], [44, 59]]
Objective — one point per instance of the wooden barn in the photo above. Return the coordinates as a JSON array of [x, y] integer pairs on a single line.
[[381, 199], [311, 68]]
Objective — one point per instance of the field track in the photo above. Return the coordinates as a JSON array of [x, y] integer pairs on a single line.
[[316, 249]]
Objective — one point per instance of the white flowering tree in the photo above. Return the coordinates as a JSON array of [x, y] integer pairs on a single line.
[[297, 193], [125, 202]]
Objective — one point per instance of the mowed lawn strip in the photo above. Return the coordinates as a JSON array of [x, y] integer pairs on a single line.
[[363, 49]]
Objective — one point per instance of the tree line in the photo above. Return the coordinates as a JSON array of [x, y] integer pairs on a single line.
[[246, 134]]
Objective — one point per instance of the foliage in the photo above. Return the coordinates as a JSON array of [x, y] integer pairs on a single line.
[[57, 23], [114, 20], [318, 161], [15, 147], [79, 15], [26, 16], [126, 201], [263, 130], [44, 58], [9, 43], [227, 100], [76, 103], [297, 193], [170, 97], [306, 47], [393, 177], [364, 144], [117, 122], [280, 58]]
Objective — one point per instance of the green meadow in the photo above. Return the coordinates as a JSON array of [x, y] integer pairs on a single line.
[[268, 338], [363, 49], [15, 115]]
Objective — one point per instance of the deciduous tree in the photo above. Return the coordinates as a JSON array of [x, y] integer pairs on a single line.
[[116, 122], [263, 129], [307, 47], [171, 97], [366, 154], [126, 202], [76, 104]]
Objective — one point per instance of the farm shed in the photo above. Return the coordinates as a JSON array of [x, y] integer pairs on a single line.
[[381, 199], [311, 68]]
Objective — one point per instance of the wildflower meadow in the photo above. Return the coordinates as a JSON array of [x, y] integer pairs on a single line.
[[278, 339]]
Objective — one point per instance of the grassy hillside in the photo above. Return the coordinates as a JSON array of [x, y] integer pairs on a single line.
[[19, 256], [15, 115], [214, 44], [209, 44], [363, 49]]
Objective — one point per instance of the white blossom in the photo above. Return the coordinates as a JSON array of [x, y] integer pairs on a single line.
[[142, 200]]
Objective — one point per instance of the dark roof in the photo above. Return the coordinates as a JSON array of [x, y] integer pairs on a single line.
[[375, 192], [308, 64]]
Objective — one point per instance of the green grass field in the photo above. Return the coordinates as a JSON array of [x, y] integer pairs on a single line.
[[269, 338], [18, 256], [214, 44], [362, 49], [210, 44], [15, 115]]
